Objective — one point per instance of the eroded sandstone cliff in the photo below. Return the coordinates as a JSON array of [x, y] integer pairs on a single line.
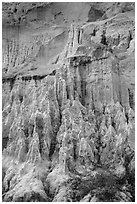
[[68, 107]]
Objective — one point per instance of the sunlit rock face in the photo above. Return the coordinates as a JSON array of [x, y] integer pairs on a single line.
[[68, 102]]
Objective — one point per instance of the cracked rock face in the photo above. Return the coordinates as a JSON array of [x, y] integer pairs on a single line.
[[68, 102]]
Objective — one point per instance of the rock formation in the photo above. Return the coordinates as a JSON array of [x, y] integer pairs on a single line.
[[68, 103]]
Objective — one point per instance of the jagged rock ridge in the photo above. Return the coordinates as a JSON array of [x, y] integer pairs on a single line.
[[68, 133]]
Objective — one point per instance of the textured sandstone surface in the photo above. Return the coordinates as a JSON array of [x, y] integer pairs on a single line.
[[68, 102]]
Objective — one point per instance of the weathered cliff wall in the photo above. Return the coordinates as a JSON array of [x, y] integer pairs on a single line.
[[68, 124]]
